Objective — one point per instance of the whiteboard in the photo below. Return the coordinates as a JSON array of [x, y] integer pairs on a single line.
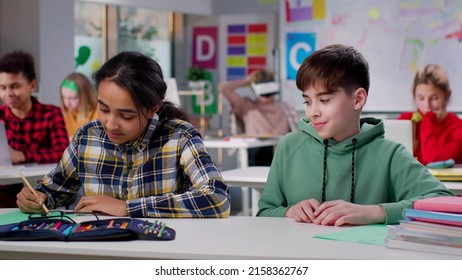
[[396, 36]]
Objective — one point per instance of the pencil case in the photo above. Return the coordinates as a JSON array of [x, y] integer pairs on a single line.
[[117, 229]]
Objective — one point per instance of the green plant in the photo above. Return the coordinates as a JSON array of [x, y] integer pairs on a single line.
[[195, 73]]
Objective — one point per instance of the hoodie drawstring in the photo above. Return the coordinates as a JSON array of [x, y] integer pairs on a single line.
[[324, 171], [324, 174], [352, 192]]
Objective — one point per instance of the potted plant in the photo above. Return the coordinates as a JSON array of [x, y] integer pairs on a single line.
[[194, 76]]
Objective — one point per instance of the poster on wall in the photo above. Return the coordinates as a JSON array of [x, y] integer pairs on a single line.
[[299, 10], [247, 49], [298, 47], [204, 54], [205, 47], [88, 54]]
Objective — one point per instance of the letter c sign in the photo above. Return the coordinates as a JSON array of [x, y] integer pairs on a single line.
[[299, 46]]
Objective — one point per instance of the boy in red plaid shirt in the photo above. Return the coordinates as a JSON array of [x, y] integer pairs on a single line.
[[36, 132]]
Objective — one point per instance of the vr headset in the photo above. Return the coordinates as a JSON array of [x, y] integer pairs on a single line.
[[265, 88]]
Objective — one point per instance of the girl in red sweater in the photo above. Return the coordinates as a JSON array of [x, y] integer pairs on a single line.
[[437, 133]]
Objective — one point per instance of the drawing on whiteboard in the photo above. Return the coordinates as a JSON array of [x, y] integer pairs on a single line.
[[396, 36]]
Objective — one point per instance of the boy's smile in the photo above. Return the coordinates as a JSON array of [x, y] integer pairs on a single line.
[[334, 114], [318, 125], [15, 91]]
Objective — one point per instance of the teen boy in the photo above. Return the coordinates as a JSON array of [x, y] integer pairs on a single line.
[[36, 132], [339, 169]]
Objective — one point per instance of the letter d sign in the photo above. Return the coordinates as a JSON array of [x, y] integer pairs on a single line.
[[204, 48]]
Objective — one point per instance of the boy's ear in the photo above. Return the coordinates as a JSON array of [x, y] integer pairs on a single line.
[[360, 98], [33, 85]]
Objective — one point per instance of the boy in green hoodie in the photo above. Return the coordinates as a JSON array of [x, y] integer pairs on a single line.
[[339, 169]]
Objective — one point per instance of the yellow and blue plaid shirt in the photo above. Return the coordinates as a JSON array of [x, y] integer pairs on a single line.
[[167, 172]]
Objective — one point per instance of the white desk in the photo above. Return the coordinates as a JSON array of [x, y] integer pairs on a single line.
[[255, 177], [33, 173], [252, 176], [236, 237], [242, 144]]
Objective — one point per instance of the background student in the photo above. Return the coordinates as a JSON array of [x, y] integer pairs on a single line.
[[140, 158], [437, 132], [261, 116], [78, 102], [36, 132], [339, 169]]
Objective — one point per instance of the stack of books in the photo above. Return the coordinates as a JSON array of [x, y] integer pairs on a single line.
[[447, 174], [434, 225]]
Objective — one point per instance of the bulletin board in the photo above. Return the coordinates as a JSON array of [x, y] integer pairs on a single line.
[[396, 36]]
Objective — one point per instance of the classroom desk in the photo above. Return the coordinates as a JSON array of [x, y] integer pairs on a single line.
[[242, 145], [255, 177], [33, 173], [237, 237]]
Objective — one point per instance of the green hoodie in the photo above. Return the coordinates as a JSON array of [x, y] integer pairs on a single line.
[[385, 172]]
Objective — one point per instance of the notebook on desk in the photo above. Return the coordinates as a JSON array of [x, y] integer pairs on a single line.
[[447, 174]]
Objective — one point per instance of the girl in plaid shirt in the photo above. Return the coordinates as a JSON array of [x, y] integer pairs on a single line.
[[141, 158]]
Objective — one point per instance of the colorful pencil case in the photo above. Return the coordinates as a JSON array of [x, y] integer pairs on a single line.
[[116, 229]]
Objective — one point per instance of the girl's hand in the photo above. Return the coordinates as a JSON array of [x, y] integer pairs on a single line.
[[441, 114], [28, 202], [102, 203], [303, 211], [340, 212]]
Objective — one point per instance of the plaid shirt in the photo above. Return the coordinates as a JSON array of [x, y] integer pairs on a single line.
[[41, 135], [167, 172]]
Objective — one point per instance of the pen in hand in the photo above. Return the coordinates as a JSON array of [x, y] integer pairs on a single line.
[[33, 191]]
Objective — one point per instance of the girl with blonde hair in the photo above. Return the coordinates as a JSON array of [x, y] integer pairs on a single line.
[[78, 102], [437, 132]]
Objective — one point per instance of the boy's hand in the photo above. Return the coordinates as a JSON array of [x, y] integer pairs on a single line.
[[17, 156], [303, 211], [28, 202], [102, 203], [340, 212]]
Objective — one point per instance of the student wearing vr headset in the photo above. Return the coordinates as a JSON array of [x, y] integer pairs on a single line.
[[261, 116]]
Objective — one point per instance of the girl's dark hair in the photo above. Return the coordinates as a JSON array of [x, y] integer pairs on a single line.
[[142, 77]]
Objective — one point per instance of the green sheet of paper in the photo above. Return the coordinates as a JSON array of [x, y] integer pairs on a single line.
[[371, 234], [13, 217], [18, 216]]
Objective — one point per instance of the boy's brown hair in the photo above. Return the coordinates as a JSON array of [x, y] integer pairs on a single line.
[[333, 67]]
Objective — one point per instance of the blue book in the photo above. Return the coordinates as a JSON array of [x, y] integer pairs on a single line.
[[433, 217]]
